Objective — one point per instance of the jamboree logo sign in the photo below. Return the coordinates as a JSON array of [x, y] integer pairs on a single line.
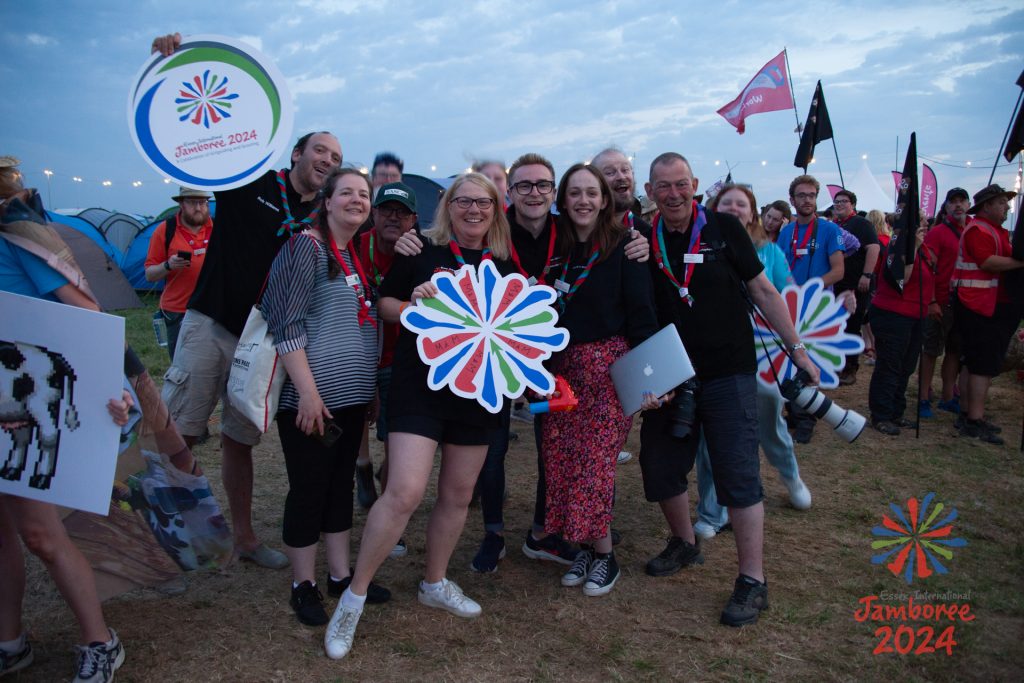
[[213, 115]]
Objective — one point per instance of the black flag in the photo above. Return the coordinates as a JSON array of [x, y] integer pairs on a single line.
[[908, 220], [728, 178], [1016, 141], [817, 128]]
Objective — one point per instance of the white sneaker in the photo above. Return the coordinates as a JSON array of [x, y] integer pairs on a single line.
[[400, 549], [450, 597], [799, 494], [704, 530], [624, 456], [341, 631]]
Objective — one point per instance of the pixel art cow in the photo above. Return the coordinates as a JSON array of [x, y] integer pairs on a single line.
[[34, 381]]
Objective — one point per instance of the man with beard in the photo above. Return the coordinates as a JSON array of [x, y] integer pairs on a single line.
[[252, 223], [177, 250], [858, 271], [939, 333], [704, 270], [985, 313], [618, 171]]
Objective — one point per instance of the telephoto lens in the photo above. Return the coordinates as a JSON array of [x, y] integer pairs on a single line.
[[848, 424], [683, 410]]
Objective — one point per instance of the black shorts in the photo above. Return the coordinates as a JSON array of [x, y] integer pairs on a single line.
[[442, 431], [727, 411], [983, 339], [941, 336]]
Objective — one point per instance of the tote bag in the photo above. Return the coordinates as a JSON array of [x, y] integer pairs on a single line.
[[257, 372]]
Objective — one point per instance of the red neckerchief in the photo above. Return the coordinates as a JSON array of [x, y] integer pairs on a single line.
[[627, 220], [364, 305], [807, 237], [547, 262], [698, 220]]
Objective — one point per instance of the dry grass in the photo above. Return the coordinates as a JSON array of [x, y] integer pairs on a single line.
[[235, 624]]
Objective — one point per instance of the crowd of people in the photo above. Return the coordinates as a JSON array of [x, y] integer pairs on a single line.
[[333, 257]]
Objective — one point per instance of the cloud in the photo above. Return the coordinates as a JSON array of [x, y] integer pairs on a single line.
[[340, 6], [39, 40], [315, 85]]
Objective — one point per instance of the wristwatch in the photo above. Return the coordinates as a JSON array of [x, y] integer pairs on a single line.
[[167, 264], [798, 346], [870, 276]]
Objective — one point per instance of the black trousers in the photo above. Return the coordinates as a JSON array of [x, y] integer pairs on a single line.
[[897, 347]]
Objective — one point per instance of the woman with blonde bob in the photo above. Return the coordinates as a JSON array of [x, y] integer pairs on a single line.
[[469, 227]]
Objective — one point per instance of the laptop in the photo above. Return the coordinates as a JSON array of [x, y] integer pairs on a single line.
[[658, 365]]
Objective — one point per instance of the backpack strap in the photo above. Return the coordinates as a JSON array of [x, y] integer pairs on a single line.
[[172, 227]]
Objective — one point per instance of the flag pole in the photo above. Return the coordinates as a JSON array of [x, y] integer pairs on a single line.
[[999, 152], [792, 93], [836, 150]]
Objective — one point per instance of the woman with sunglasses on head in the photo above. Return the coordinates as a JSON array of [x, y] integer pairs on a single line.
[[469, 227], [317, 305], [740, 201], [607, 306]]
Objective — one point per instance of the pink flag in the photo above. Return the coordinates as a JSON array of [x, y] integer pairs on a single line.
[[929, 192], [767, 91], [897, 177], [832, 189]]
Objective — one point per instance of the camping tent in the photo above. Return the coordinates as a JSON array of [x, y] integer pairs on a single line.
[[428, 194], [870, 194], [118, 228], [133, 261], [102, 272], [88, 229]]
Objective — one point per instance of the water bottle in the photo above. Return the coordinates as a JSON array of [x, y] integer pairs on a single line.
[[160, 329]]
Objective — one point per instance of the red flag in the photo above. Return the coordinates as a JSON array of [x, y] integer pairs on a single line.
[[929, 192], [767, 91]]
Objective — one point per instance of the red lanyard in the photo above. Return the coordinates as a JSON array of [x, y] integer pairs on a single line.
[[457, 252], [807, 238], [699, 219], [360, 287], [543, 279]]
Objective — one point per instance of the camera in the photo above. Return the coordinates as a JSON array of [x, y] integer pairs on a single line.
[[683, 410], [848, 424]]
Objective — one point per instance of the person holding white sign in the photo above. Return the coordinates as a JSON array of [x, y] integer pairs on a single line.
[[469, 227]]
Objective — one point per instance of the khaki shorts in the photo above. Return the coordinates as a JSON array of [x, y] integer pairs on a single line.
[[941, 336], [198, 377]]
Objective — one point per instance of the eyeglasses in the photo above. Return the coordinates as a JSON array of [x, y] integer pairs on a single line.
[[525, 187], [482, 203], [196, 202], [805, 195], [396, 211]]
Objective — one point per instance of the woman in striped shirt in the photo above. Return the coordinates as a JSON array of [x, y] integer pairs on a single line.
[[318, 308]]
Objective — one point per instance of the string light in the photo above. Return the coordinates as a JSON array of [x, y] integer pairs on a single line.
[[107, 183], [864, 156], [433, 168], [76, 179], [136, 183]]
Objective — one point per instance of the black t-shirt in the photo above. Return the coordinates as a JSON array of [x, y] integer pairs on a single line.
[[533, 251], [410, 394], [616, 299], [853, 267], [716, 329], [242, 247]]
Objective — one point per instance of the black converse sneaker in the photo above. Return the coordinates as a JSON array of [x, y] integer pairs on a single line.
[[604, 572], [580, 568], [749, 597], [308, 603]]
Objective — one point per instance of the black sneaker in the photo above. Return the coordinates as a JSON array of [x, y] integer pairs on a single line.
[[803, 434], [604, 572], [492, 549], [16, 661], [616, 537], [887, 427], [580, 569], [366, 490], [97, 662], [977, 429], [676, 555], [308, 604], [749, 597], [552, 547], [375, 594]]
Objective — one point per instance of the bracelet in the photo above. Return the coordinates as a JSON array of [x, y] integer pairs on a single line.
[[167, 264], [797, 347], [870, 276]]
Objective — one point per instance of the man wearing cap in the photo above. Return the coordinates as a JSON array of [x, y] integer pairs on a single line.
[[858, 270], [393, 215], [939, 334], [984, 312], [177, 250]]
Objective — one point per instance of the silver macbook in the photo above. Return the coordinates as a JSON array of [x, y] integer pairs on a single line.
[[658, 365]]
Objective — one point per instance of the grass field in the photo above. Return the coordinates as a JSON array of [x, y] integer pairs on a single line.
[[235, 624]]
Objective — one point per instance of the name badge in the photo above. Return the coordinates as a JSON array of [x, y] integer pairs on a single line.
[[199, 252], [801, 252], [532, 281], [352, 280], [562, 286], [693, 258]]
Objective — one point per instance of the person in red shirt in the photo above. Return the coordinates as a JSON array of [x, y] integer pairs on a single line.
[[984, 311], [180, 258], [938, 332]]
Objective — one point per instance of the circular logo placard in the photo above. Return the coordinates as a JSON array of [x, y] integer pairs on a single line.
[[213, 115]]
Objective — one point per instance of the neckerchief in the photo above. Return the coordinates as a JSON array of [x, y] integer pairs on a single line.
[[457, 252], [289, 224], [565, 297], [547, 262], [699, 219], [812, 230]]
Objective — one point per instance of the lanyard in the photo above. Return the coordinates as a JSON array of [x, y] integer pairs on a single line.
[[378, 276], [547, 262], [661, 255], [457, 252], [359, 283], [581, 278], [627, 220], [812, 229], [289, 224]]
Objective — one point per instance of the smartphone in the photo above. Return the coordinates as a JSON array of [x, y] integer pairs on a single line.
[[332, 432], [187, 255]]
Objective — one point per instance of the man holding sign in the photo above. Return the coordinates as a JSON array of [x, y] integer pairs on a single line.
[[252, 222]]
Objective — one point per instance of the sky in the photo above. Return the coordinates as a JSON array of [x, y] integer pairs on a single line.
[[444, 83]]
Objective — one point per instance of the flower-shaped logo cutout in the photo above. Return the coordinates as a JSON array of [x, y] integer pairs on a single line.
[[820, 321], [914, 545], [485, 336], [206, 100]]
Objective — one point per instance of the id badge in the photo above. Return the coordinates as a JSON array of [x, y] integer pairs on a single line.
[[199, 252], [693, 258], [562, 286], [802, 252], [532, 281], [352, 280]]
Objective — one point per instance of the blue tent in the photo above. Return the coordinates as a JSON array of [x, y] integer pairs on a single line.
[[88, 229]]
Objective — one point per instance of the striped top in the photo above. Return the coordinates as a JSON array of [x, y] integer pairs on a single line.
[[306, 310]]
